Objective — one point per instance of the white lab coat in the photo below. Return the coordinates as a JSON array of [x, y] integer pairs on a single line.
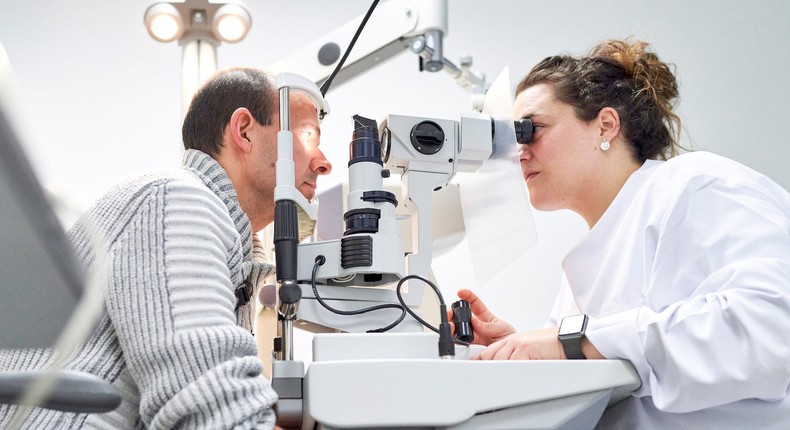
[[687, 275]]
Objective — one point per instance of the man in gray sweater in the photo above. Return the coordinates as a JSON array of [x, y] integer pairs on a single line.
[[179, 247]]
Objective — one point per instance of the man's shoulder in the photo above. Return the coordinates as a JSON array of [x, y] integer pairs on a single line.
[[155, 183], [130, 195], [158, 178]]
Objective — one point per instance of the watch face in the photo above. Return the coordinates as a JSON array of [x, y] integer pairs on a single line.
[[571, 324]]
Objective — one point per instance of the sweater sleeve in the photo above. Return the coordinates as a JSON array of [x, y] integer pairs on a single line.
[[171, 301], [715, 325]]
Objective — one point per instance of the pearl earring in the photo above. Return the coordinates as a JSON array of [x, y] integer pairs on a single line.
[[605, 145]]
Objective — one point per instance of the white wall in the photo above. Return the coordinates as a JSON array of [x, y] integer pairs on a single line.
[[102, 98]]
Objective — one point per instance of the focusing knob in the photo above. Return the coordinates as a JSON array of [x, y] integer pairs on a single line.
[[427, 137]]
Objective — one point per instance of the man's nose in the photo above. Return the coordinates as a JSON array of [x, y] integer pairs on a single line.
[[321, 165]]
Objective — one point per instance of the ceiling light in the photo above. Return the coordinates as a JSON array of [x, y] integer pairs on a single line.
[[164, 22], [231, 23]]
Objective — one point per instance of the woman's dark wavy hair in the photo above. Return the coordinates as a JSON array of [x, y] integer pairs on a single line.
[[623, 75]]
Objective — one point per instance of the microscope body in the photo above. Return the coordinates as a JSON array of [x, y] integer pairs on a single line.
[[374, 251]]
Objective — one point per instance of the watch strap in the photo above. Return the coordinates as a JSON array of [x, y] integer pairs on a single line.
[[573, 348]]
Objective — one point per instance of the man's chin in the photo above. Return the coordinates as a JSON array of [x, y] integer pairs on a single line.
[[308, 193]]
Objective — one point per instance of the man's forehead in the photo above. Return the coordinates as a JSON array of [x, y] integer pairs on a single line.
[[299, 97], [307, 121], [299, 101]]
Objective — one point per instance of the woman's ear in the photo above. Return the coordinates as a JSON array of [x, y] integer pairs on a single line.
[[609, 122]]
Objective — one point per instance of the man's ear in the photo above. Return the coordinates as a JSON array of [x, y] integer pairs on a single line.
[[239, 128], [609, 122]]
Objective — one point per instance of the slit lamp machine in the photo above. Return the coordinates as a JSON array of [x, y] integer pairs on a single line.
[[374, 366]]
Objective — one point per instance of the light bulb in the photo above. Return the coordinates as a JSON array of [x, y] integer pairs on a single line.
[[231, 23], [163, 22]]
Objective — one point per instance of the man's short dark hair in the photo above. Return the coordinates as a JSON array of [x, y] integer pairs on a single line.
[[215, 102]]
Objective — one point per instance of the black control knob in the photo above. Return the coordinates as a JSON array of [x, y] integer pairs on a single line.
[[462, 318], [427, 137]]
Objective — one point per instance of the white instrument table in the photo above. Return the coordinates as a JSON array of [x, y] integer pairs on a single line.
[[391, 380]]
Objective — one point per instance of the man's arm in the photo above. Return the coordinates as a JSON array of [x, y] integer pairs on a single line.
[[171, 300]]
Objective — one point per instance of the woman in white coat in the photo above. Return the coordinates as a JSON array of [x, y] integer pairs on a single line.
[[685, 271]]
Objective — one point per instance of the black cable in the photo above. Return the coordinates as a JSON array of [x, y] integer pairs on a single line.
[[403, 303], [319, 261], [460, 342], [328, 82], [445, 338]]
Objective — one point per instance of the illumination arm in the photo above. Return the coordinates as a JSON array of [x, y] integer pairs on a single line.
[[395, 26]]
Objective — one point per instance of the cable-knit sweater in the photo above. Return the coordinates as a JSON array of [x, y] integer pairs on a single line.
[[177, 246]]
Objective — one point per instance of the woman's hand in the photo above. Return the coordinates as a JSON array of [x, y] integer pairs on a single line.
[[533, 345], [486, 326], [505, 344]]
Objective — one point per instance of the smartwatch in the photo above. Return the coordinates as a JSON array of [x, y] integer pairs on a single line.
[[571, 332]]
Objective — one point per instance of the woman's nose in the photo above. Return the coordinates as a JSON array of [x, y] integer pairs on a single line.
[[524, 154]]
